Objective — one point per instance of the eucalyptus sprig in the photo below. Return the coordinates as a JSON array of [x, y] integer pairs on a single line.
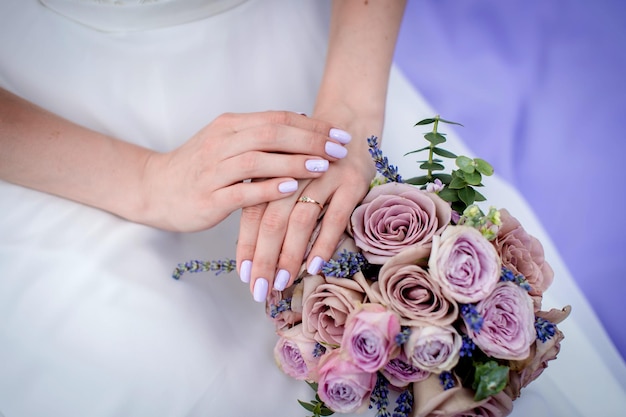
[[459, 185], [316, 406]]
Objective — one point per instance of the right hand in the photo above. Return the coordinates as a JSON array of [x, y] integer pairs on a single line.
[[199, 184]]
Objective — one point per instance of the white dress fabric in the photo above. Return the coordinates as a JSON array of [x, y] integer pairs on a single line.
[[92, 324]]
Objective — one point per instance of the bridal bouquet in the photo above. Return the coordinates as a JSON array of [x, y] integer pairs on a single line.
[[429, 302]]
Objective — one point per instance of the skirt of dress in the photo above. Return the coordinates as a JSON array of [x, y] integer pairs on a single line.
[[91, 322]]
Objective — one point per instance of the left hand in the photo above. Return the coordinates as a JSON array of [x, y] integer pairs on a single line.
[[273, 237]]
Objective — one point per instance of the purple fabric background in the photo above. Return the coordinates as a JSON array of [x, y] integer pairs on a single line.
[[540, 86]]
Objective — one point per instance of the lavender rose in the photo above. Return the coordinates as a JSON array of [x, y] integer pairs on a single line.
[[464, 263], [400, 372], [394, 216], [294, 354], [433, 348], [369, 336], [508, 328], [342, 385], [409, 290], [431, 400], [327, 302], [523, 254]]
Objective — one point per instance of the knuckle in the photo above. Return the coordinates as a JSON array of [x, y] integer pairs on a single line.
[[250, 162], [280, 117], [252, 214], [273, 222]]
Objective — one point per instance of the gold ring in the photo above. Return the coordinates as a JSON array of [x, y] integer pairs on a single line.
[[305, 199]]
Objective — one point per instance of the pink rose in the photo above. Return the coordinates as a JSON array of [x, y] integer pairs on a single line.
[[342, 385], [294, 354], [524, 372], [369, 336], [400, 372], [327, 302], [508, 328], [431, 400], [409, 290], [523, 254], [393, 216], [464, 263], [433, 348]]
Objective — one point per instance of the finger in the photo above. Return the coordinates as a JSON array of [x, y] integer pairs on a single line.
[[272, 229], [246, 242], [246, 194], [269, 165], [334, 224], [302, 222]]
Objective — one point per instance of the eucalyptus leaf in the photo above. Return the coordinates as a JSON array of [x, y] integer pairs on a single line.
[[444, 178], [489, 379], [307, 406], [421, 180], [443, 152], [450, 122], [457, 183], [467, 195], [418, 150], [435, 138], [473, 178], [483, 166], [425, 122], [464, 162], [432, 166], [449, 195], [479, 197]]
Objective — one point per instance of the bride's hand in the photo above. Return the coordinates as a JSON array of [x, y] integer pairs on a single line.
[[273, 237], [199, 184]]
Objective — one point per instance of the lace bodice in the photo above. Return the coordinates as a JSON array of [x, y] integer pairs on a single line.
[[131, 15]]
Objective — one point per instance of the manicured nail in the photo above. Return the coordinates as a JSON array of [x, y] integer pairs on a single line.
[[315, 265], [245, 270], [282, 279], [340, 135], [316, 165], [335, 150], [260, 290], [288, 186]]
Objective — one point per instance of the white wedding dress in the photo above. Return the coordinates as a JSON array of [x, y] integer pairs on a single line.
[[91, 323]]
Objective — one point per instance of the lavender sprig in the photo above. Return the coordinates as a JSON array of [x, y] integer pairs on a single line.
[[281, 306], [545, 329], [218, 266], [382, 163], [380, 397], [404, 404], [508, 276], [348, 264], [472, 317], [447, 380]]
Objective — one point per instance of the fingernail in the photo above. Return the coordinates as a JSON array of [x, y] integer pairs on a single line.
[[244, 271], [260, 290], [340, 135], [288, 186], [315, 265], [282, 279], [316, 165], [335, 150]]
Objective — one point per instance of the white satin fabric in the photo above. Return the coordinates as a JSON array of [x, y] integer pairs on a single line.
[[91, 324]]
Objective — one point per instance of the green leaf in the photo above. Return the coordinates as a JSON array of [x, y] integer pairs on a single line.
[[465, 163], [449, 194], [443, 152], [435, 138], [326, 412], [307, 406], [432, 166], [473, 178], [424, 122], [313, 385], [444, 178], [421, 180], [418, 150], [467, 195], [479, 196], [450, 122], [489, 379], [483, 166], [457, 183]]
